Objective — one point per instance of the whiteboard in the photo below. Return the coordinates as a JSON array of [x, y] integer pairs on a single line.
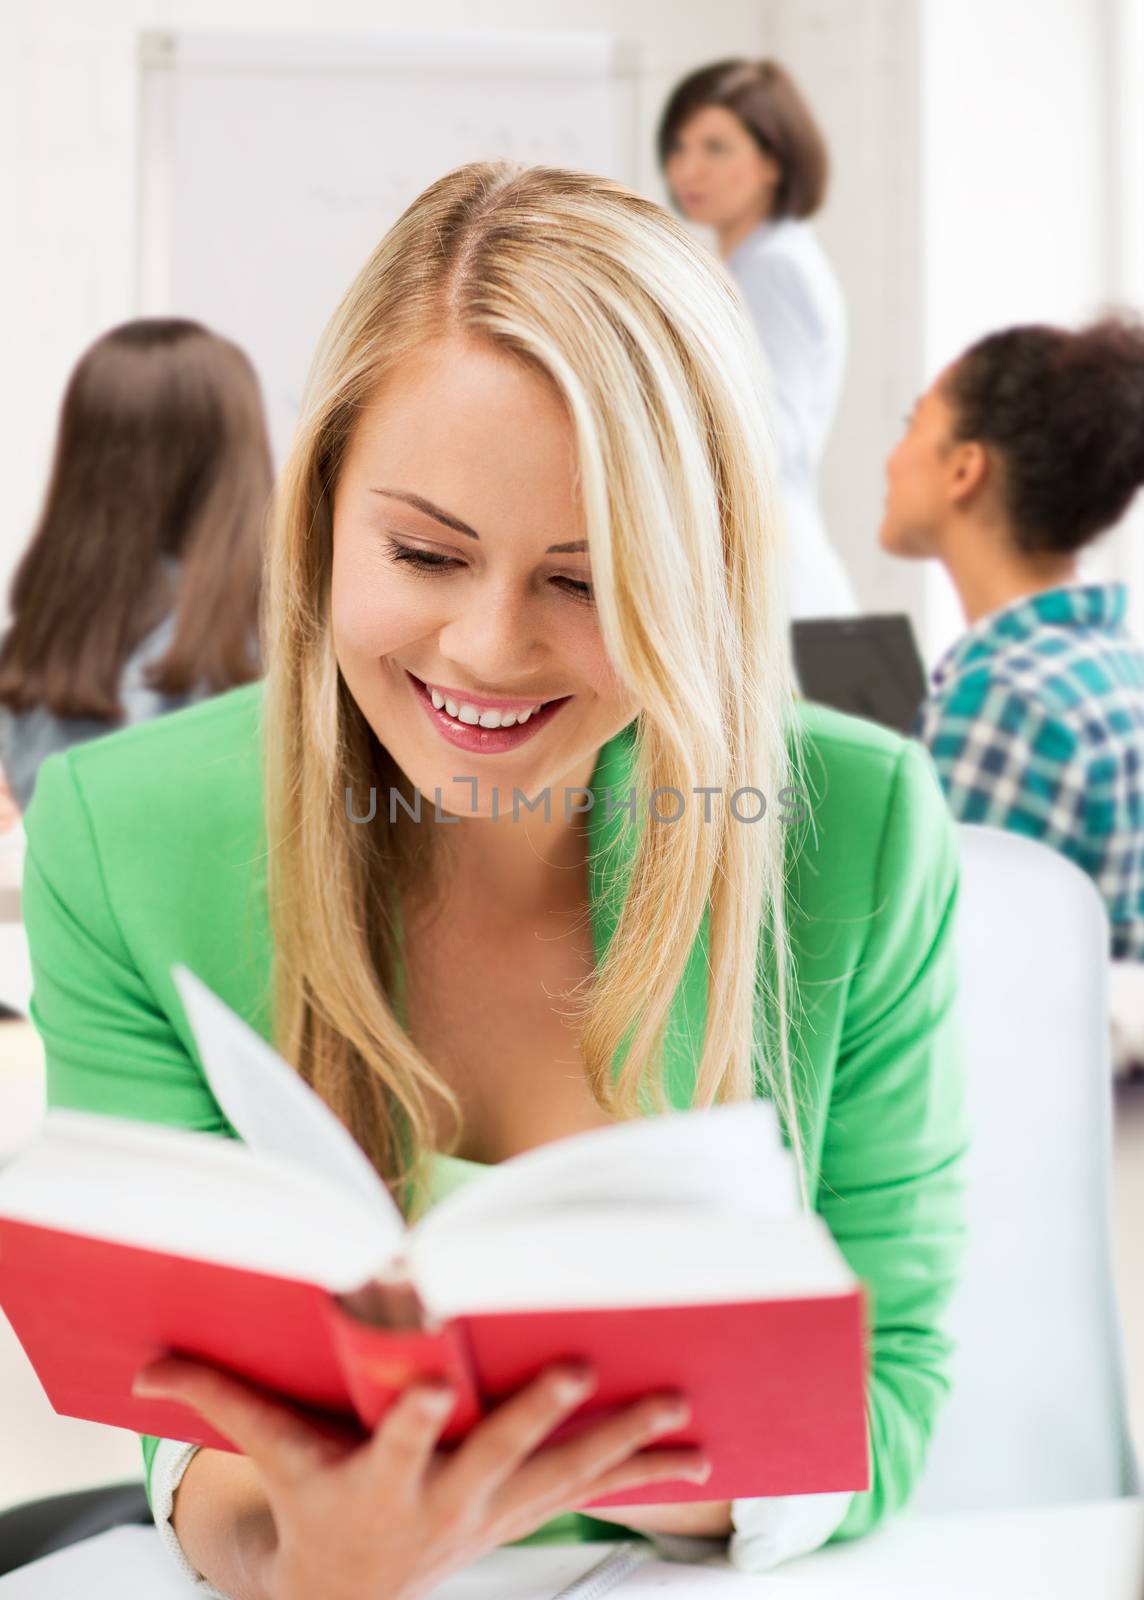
[[271, 164]]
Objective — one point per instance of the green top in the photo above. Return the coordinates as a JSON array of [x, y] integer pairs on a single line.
[[147, 847], [446, 1173]]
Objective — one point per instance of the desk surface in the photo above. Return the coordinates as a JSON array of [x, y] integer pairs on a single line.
[[1089, 1552], [1093, 1552]]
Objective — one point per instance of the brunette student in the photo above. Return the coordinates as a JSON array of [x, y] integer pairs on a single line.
[[139, 591], [524, 542], [1018, 457], [743, 154]]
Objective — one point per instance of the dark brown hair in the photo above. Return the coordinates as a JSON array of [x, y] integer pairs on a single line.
[[1065, 414], [161, 452], [769, 104]]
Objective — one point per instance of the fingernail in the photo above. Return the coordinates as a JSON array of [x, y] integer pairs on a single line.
[[436, 1402], [575, 1386], [146, 1388]]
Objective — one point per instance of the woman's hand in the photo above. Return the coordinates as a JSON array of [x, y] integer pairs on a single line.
[[9, 810], [390, 1518], [698, 1519]]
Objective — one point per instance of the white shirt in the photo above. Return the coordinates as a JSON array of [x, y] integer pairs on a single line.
[[799, 314]]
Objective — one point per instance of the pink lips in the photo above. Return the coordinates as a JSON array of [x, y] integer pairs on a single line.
[[484, 741]]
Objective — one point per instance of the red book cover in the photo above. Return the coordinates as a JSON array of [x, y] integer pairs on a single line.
[[649, 1250], [775, 1387]]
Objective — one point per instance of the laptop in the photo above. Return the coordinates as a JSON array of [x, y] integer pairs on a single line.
[[868, 666]]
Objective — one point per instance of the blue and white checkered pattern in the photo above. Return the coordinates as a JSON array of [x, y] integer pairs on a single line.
[[1035, 720]]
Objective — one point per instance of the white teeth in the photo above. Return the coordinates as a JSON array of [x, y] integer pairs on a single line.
[[462, 711]]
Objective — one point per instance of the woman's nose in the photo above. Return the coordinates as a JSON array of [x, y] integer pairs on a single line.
[[494, 638]]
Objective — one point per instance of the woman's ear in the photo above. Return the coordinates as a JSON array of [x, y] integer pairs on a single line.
[[772, 172], [969, 471]]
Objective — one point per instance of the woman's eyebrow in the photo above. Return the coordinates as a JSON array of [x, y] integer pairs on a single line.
[[447, 520]]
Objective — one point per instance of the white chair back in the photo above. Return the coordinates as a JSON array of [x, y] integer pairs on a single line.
[[1038, 1412]]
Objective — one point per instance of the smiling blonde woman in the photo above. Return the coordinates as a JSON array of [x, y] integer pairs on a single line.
[[525, 545]]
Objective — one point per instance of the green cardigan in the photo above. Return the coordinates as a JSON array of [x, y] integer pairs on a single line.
[[147, 847]]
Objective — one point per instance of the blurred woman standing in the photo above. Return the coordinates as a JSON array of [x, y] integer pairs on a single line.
[[139, 591], [742, 154]]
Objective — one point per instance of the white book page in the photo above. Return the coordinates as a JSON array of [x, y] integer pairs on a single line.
[[724, 1160], [191, 1194], [643, 1258], [274, 1111]]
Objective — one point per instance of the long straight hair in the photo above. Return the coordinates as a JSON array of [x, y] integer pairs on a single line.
[[162, 464], [651, 351]]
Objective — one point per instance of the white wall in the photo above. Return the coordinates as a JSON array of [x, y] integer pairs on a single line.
[[1126, 170], [974, 184], [68, 118], [68, 100], [858, 63], [1017, 197]]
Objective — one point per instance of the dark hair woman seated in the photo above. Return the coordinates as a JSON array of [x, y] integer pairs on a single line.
[[1021, 454], [139, 590]]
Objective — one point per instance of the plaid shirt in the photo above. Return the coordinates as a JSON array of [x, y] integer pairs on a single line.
[[1035, 720]]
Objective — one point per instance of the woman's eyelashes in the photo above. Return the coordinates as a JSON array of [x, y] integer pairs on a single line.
[[427, 562], [424, 560]]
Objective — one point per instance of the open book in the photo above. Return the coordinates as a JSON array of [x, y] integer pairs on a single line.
[[669, 1252]]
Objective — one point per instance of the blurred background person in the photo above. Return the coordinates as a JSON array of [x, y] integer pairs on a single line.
[[742, 154], [1020, 454], [139, 590]]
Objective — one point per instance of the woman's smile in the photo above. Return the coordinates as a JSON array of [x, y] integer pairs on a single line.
[[479, 727]]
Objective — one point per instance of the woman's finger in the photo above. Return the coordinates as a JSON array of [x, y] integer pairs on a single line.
[[283, 1445], [574, 1466], [497, 1447], [653, 1466], [657, 1466], [407, 1435]]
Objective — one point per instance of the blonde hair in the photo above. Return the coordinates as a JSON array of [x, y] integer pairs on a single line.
[[648, 344]]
